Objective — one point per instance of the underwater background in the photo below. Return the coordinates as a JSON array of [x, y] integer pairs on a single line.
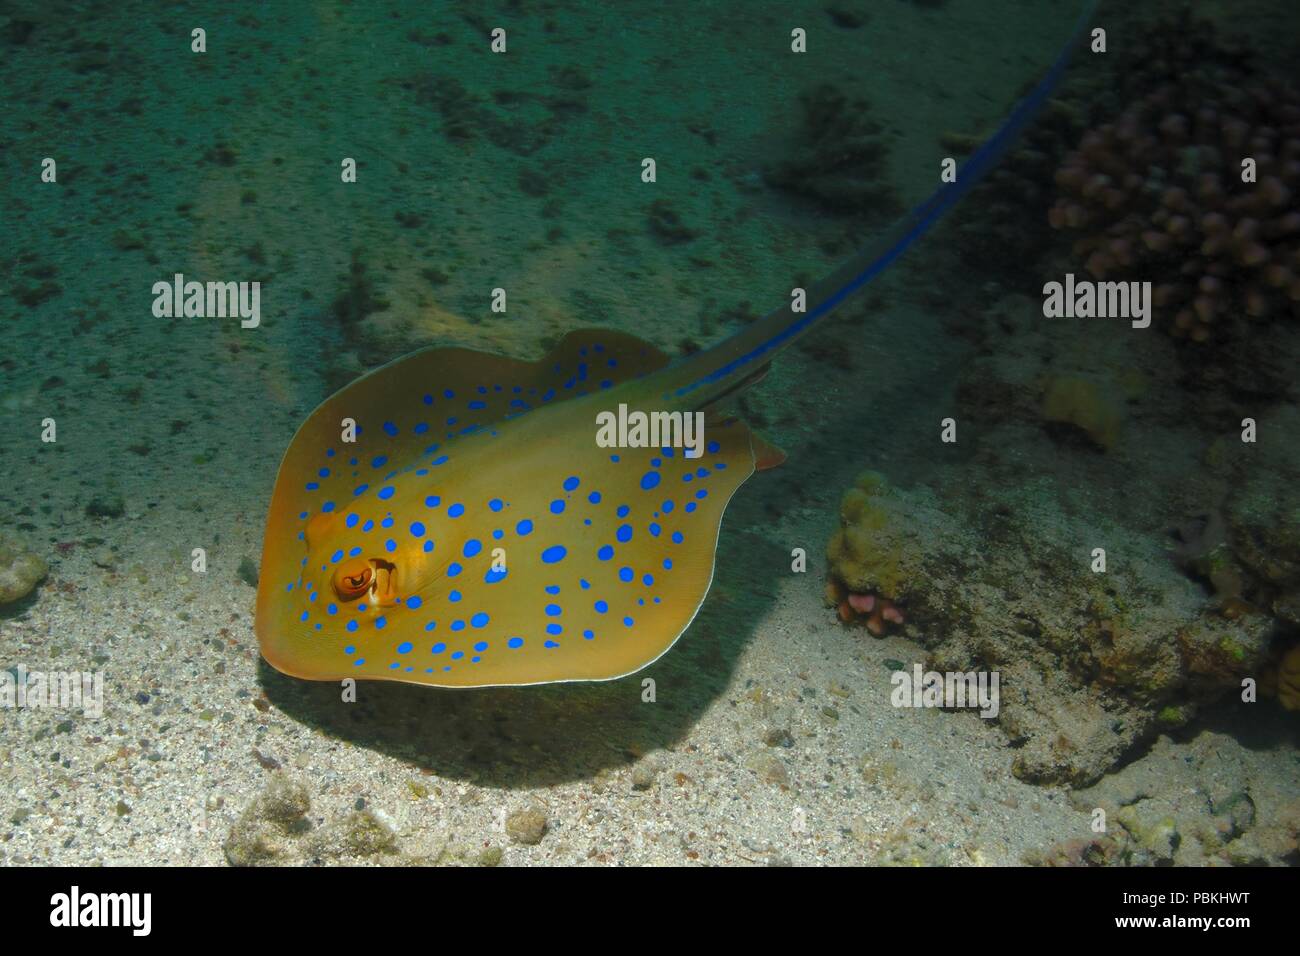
[[772, 737]]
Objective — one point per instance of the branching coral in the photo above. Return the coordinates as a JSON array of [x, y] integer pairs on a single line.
[[1159, 194]]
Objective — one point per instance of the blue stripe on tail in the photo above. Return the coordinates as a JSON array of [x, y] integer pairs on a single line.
[[870, 262]]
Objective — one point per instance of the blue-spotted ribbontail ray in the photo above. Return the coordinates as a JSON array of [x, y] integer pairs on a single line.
[[476, 534]]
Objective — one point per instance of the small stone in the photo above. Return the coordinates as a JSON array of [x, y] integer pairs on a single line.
[[267, 762], [527, 826], [1237, 811], [360, 833], [283, 801], [778, 737], [418, 789], [261, 834], [667, 225], [20, 569]]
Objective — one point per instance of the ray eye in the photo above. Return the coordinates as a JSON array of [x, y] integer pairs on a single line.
[[352, 579]]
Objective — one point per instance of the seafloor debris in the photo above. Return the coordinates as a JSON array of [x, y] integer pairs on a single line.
[[362, 833], [838, 157], [274, 830], [667, 226], [20, 569], [108, 504], [263, 833], [521, 121]]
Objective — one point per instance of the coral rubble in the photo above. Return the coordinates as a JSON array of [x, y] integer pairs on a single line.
[[839, 156]]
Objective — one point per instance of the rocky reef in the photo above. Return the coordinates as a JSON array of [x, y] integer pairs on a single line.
[[1071, 441], [1205, 803], [1092, 663], [1258, 567]]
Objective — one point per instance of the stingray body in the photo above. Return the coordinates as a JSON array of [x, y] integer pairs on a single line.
[[476, 533], [451, 519]]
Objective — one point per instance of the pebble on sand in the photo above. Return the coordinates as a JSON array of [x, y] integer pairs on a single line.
[[527, 826], [20, 569]]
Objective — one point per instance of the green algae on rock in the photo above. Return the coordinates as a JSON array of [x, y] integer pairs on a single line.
[[361, 833], [263, 833]]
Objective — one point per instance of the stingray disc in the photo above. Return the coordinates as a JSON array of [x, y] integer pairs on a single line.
[[475, 533]]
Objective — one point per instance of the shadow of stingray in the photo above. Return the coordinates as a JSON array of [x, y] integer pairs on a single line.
[[540, 736]]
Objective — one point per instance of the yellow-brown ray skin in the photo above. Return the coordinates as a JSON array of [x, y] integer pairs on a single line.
[[524, 463]]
